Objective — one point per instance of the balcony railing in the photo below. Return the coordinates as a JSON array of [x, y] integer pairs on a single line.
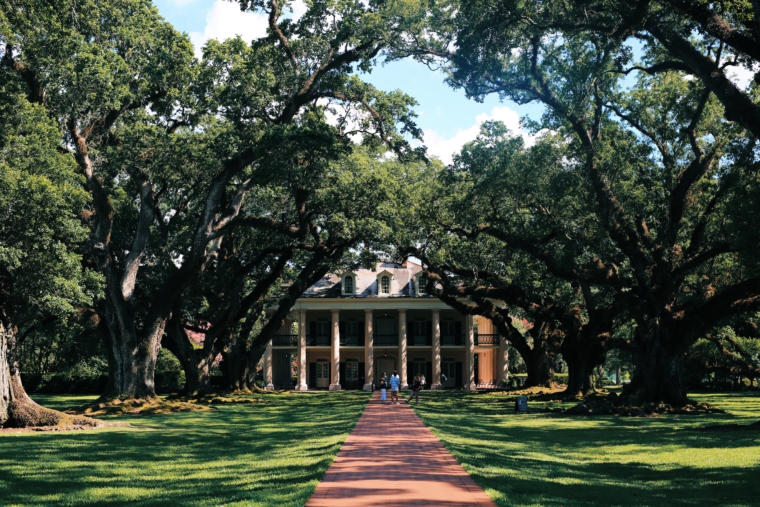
[[285, 340], [452, 339], [487, 339], [318, 340], [419, 341], [381, 340], [352, 341]]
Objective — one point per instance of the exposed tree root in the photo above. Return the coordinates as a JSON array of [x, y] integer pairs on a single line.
[[23, 412], [632, 406], [146, 406], [534, 393], [215, 399]]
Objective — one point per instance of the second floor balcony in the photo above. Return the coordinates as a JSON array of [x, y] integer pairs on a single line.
[[325, 341], [487, 340]]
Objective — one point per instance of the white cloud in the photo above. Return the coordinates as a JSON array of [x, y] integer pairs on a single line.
[[225, 20], [445, 148]]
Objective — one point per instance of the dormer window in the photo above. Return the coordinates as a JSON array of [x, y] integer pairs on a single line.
[[349, 285], [422, 281], [385, 284]]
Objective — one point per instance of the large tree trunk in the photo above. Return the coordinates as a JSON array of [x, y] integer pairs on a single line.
[[131, 361], [579, 369], [239, 375], [196, 363], [5, 380], [540, 360], [657, 376], [17, 409], [540, 367]]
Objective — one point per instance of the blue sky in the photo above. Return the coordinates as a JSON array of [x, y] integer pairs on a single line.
[[446, 116]]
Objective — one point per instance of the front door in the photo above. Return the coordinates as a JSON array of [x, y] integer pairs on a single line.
[[386, 365], [449, 369], [352, 374], [323, 373], [283, 369]]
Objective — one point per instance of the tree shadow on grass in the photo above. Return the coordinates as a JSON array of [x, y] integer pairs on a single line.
[[546, 459], [267, 454]]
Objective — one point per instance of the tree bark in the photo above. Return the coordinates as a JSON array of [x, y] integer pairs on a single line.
[[657, 376], [196, 363], [580, 367], [540, 368], [17, 409], [5, 381], [131, 361]]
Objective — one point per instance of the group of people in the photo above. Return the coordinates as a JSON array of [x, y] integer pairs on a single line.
[[395, 386]]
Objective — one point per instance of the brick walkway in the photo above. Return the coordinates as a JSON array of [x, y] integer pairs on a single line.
[[392, 459]]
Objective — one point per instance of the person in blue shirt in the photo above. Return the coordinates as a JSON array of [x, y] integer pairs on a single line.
[[395, 386]]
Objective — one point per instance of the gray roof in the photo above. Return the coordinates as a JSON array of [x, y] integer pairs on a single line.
[[331, 285]]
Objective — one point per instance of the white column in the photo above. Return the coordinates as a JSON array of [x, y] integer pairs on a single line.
[[335, 351], [435, 382], [402, 348], [302, 366], [369, 353], [268, 367], [469, 355], [503, 372]]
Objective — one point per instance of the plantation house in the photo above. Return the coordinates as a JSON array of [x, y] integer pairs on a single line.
[[349, 328]]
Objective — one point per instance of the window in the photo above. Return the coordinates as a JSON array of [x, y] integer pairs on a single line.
[[323, 328], [385, 285], [421, 284], [348, 285]]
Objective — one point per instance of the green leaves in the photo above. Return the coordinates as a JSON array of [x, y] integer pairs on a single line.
[[40, 200]]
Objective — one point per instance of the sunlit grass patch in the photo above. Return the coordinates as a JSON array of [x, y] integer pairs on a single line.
[[549, 459], [271, 453]]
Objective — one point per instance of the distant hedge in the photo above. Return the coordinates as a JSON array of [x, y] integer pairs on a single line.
[[66, 383]]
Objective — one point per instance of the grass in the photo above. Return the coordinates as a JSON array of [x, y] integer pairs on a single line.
[[274, 453], [271, 453], [554, 460]]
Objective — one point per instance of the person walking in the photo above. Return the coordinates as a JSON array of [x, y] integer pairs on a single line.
[[395, 386], [383, 387], [422, 380], [415, 387]]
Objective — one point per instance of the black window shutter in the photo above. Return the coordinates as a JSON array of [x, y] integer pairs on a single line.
[[313, 328], [458, 329], [362, 380], [361, 330], [429, 329], [409, 373], [429, 380], [342, 371], [342, 330], [459, 374], [312, 375]]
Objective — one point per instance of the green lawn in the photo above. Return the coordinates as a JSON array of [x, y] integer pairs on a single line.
[[266, 454], [274, 453], [551, 460]]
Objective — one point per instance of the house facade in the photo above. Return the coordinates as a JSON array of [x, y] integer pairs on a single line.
[[349, 328]]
